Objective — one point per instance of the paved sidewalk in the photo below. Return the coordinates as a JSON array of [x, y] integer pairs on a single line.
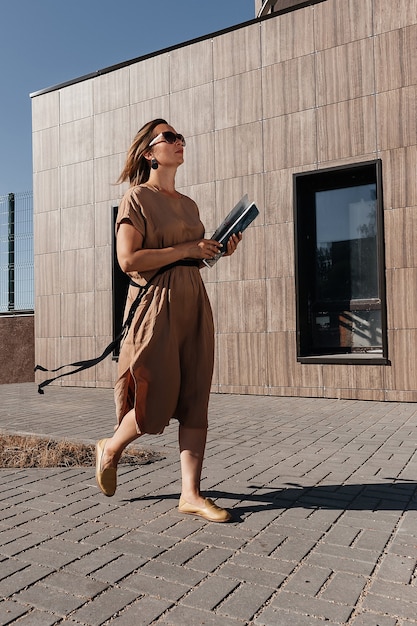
[[323, 494]]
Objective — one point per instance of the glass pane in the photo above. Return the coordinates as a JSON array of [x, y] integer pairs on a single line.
[[346, 249]]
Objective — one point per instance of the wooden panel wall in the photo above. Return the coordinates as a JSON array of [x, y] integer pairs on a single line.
[[327, 84]]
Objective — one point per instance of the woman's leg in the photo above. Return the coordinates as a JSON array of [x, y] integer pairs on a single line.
[[192, 446], [125, 434]]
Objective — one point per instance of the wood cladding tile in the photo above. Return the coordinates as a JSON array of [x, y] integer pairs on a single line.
[[397, 118], [395, 55], [77, 228], [78, 311], [48, 274], [404, 359], [196, 170], [345, 72], [289, 86], [77, 184], [76, 102], [279, 243], [280, 304], [106, 173], [45, 149], [191, 110], [233, 157], [111, 90], [76, 141], [399, 169], [142, 112], [78, 273], [237, 99], [346, 129], [281, 359], [337, 22], [46, 223], [348, 377], [393, 15], [279, 200], [242, 359], [45, 111], [288, 36], [46, 190], [241, 306], [402, 288], [111, 132], [48, 316], [401, 238], [149, 79], [237, 52], [191, 65], [76, 349], [290, 140], [248, 262], [103, 223]]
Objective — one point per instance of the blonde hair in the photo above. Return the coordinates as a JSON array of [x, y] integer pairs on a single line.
[[136, 168]]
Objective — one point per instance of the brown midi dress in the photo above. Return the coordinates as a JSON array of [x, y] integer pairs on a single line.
[[166, 360]]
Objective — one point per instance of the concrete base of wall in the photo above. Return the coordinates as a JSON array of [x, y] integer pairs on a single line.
[[17, 347]]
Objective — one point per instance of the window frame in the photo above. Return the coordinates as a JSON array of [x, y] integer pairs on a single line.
[[120, 286], [305, 185]]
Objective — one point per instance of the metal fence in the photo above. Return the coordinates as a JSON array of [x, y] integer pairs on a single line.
[[16, 252]]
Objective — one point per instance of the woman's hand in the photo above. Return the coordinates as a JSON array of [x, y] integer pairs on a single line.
[[232, 244], [200, 249]]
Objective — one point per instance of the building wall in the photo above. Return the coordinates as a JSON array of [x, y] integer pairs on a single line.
[[328, 84]]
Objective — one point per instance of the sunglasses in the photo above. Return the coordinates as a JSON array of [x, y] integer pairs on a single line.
[[167, 137]]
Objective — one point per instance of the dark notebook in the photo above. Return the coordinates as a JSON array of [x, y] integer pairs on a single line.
[[236, 222]]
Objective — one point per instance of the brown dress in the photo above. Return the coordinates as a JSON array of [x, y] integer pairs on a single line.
[[166, 360]]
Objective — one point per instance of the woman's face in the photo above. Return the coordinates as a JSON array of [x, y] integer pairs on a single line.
[[165, 152]]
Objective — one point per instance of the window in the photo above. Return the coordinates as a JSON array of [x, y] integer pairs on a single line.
[[120, 287], [340, 265]]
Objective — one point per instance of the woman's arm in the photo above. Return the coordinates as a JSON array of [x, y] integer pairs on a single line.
[[133, 258]]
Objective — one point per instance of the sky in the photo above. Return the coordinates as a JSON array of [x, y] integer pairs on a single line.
[[47, 42]]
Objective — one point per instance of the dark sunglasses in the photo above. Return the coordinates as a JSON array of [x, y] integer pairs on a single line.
[[167, 137]]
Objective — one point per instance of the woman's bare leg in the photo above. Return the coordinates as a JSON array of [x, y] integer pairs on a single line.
[[125, 434], [192, 446]]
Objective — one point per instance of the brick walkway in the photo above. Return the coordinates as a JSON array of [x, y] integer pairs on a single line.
[[323, 494]]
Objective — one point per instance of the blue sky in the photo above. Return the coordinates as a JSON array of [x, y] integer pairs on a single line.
[[47, 42]]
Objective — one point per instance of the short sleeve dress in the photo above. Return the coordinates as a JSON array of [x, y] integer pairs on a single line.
[[166, 360]]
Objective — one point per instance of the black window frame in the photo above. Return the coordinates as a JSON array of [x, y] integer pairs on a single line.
[[306, 184], [120, 286]]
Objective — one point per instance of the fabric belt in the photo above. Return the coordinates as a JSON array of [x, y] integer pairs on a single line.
[[86, 364]]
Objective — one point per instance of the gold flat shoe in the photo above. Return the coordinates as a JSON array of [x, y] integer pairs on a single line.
[[210, 511], [107, 478]]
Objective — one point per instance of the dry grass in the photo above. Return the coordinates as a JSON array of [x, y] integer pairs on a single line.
[[20, 451]]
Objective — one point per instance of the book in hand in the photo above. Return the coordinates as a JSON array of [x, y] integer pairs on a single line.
[[236, 222]]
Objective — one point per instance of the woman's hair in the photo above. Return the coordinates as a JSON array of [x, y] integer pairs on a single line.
[[137, 169]]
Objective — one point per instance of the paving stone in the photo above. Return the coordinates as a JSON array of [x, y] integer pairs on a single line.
[[47, 599], [372, 619], [191, 616], [37, 618], [157, 587], [10, 611], [245, 601], [315, 607], [108, 604], [143, 612], [277, 617], [21, 579], [308, 580], [210, 593]]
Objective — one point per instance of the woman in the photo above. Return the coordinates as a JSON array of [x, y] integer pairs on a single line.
[[166, 360]]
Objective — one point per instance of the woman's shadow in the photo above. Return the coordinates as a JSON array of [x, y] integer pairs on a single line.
[[392, 495]]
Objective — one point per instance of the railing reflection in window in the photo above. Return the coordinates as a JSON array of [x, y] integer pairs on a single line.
[[16, 252]]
